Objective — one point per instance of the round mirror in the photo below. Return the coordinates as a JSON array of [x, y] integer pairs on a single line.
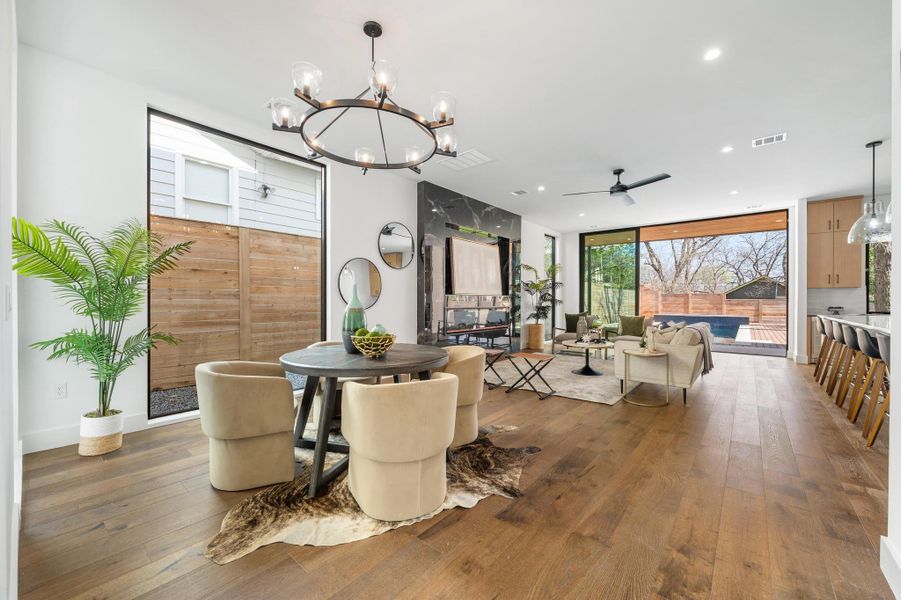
[[366, 276], [396, 245]]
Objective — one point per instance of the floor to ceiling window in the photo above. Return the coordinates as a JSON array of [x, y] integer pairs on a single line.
[[251, 287], [730, 272], [609, 269]]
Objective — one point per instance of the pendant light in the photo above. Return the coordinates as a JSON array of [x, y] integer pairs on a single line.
[[874, 225]]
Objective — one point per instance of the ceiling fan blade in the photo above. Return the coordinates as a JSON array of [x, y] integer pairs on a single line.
[[641, 182], [585, 193]]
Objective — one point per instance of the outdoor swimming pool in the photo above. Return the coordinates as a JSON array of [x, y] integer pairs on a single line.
[[721, 326]]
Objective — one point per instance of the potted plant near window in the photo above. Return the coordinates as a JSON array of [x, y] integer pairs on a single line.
[[541, 291], [103, 281]]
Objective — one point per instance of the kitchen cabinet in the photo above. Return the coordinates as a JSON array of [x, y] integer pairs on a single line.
[[831, 261]]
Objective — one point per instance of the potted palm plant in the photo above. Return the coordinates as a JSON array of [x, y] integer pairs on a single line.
[[542, 293], [103, 281]]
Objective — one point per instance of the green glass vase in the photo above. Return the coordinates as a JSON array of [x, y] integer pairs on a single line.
[[354, 318]]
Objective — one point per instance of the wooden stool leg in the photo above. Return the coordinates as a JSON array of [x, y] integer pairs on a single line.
[[874, 397], [821, 357], [843, 354], [880, 416], [860, 393], [849, 374], [833, 349]]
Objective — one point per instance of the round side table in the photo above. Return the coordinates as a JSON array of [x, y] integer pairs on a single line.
[[644, 354], [588, 347]]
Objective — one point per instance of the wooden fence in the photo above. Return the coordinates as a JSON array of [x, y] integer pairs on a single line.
[[653, 302], [241, 294]]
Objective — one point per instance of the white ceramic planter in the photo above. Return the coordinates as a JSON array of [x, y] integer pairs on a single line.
[[101, 435]]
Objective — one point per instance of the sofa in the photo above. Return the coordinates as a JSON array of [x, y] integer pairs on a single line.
[[685, 349]]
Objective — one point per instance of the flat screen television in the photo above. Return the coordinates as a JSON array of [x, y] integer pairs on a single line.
[[475, 267]]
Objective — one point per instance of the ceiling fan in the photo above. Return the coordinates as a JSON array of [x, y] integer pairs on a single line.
[[620, 190]]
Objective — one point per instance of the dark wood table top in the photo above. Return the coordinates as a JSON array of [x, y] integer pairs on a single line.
[[333, 361]]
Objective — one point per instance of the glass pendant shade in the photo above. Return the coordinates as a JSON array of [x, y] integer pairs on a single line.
[[382, 77], [447, 139], [284, 113], [307, 79], [443, 106], [364, 155], [871, 227]]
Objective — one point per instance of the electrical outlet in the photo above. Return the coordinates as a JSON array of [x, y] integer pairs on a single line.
[[61, 390]]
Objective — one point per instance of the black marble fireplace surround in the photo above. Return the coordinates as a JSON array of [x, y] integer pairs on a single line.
[[441, 215]]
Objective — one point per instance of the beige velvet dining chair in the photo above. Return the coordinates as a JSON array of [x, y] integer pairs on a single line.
[[246, 409], [468, 364], [398, 434]]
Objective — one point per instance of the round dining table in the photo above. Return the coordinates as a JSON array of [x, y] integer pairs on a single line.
[[327, 364]]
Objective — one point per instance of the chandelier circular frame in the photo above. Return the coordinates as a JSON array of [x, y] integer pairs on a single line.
[[381, 103]]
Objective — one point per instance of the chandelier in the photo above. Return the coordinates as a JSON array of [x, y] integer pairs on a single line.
[[429, 136], [875, 224]]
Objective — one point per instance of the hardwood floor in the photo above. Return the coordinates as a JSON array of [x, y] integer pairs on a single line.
[[759, 488]]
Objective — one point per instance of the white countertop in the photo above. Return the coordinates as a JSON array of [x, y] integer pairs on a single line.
[[874, 323]]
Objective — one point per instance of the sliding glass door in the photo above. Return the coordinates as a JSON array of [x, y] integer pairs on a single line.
[[609, 269]]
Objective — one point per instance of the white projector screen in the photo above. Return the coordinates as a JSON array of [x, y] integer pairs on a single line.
[[475, 267]]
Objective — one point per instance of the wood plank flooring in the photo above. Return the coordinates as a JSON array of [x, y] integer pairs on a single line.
[[759, 488]]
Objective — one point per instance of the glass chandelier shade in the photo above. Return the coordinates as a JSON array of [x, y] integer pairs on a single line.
[[447, 139], [364, 155], [443, 106], [413, 153], [873, 226], [284, 113], [382, 77], [307, 79]]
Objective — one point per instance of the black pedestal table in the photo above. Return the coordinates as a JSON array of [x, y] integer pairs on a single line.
[[328, 363]]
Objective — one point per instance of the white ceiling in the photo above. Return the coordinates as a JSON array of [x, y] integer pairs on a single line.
[[557, 93]]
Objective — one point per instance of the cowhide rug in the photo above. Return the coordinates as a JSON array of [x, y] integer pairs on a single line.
[[283, 513]]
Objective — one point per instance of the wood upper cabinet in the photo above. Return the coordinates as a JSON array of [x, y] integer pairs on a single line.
[[819, 217], [845, 211], [831, 261], [846, 261], [819, 260]]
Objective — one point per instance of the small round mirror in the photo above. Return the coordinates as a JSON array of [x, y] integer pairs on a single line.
[[366, 276], [396, 245]]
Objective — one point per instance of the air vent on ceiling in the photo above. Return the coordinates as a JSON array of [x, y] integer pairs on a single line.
[[766, 140], [466, 160], [519, 192]]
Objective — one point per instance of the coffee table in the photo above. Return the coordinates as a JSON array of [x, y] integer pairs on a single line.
[[588, 347]]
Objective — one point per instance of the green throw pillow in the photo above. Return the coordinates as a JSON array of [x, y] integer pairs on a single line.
[[631, 325], [572, 320]]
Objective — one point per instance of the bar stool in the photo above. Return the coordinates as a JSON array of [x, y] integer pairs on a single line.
[[825, 346], [884, 342], [833, 350], [843, 354], [856, 366], [875, 373]]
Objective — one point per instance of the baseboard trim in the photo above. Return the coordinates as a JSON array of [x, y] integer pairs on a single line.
[[66, 435], [890, 563], [801, 359]]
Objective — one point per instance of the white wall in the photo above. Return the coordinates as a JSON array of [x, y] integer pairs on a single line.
[[532, 253], [890, 552], [104, 118], [10, 450], [570, 247], [358, 206]]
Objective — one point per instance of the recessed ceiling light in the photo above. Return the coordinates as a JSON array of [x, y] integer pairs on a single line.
[[540, 188], [733, 192], [712, 54], [726, 149], [497, 226], [581, 214]]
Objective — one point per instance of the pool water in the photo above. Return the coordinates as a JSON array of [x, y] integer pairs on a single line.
[[721, 326]]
